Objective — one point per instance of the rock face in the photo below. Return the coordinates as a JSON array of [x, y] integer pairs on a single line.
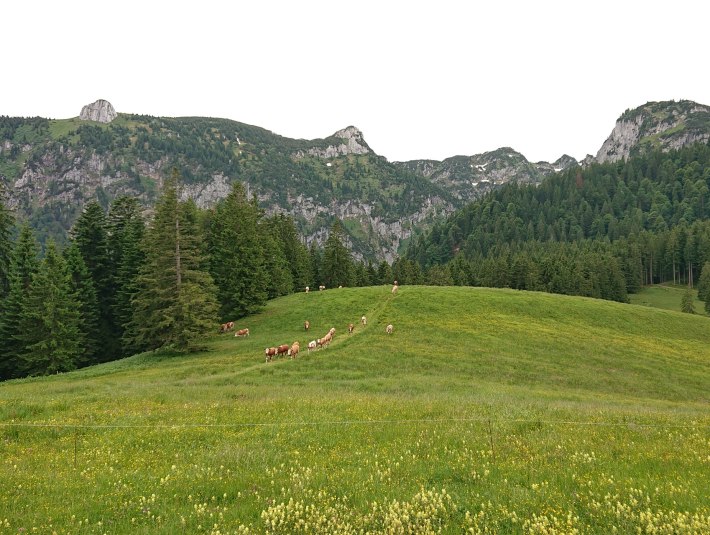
[[469, 177], [100, 111], [352, 143], [656, 125]]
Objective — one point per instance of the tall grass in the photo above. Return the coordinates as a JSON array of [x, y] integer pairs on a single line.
[[512, 412]]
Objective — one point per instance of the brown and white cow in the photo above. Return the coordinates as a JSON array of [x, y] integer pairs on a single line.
[[351, 328], [312, 345], [293, 352], [282, 349], [306, 325], [389, 329], [226, 327], [242, 332], [270, 353]]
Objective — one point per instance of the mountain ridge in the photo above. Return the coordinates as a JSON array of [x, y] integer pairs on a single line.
[[53, 167]]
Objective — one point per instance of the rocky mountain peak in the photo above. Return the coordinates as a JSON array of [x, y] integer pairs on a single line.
[[100, 111], [351, 142], [656, 125]]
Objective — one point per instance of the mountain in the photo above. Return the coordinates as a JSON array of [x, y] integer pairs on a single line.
[[51, 168], [469, 177], [656, 125]]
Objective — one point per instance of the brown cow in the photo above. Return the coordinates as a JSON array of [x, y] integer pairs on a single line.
[[242, 332], [270, 352], [306, 325], [282, 349], [389, 329], [351, 328], [226, 327], [293, 352]]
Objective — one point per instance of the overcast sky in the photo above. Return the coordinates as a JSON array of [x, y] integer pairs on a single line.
[[421, 79]]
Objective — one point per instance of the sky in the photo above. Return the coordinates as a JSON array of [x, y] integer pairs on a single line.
[[421, 80]]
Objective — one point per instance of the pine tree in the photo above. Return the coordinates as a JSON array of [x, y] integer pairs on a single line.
[[49, 321], [24, 264], [7, 221], [315, 260], [704, 284], [175, 305], [237, 256], [686, 303], [125, 244], [82, 287], [294, 251], [276, 265], [338, 269], [90, 235]]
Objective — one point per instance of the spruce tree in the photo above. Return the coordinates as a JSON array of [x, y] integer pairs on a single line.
[[686, 303], [175, 304], [237, 256], [294, 251], [276, 265], [82, 287], [90, 235], [7, 221], [125, 245], [337, 267], [49, 321], [704, 284], [23, 265], [315, 259]]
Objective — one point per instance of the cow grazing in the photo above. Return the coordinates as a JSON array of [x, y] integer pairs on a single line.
[[351, 328], [306, 325], [312, 345], [321, 288], [270, 353], [293, 352], [389, 329], [363, 320], [226, 327], [242, 332], [320, 342], [282, 349]]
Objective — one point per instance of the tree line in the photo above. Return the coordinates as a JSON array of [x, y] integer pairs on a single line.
[[124, 285], [647, 217]]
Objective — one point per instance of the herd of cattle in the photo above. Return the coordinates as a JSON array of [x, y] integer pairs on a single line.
[[292, 350]]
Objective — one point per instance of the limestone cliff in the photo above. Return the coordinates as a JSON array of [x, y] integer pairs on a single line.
[[656, 125], [100, 111]]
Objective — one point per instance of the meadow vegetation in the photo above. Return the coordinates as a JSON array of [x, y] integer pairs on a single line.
[[486, 411]]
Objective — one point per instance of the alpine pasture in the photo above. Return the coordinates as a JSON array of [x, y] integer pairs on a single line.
[[485, 411]]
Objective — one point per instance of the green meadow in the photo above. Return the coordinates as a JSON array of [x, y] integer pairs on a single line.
[[486, 411], [666, 296]]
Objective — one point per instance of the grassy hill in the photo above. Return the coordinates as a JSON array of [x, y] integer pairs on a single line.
[[666, 296], [515, 412]]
